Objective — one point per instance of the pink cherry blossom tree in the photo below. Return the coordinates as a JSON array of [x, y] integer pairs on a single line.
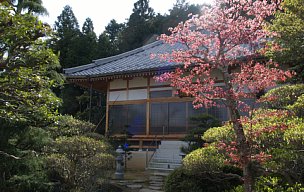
[[227, 38]]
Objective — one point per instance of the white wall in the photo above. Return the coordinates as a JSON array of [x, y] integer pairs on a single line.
[[137, 94], [118, 95], [138, 82], [118, 84]]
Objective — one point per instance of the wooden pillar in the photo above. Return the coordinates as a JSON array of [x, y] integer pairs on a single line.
[[148, 108], [107, 109], [91, 92]]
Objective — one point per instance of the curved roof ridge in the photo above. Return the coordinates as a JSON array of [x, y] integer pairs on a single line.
[[125, 54]]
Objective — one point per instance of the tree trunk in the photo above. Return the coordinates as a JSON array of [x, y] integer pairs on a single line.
[[242, 146], [248, 177]]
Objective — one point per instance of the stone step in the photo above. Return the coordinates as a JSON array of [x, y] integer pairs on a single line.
[[156, 178], [167, 156], [166, 142], [164, 165], [165, 160], [160, 169], [161, 173]]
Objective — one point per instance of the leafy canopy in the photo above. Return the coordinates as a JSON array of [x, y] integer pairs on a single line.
[[28, 68], [289, 24]]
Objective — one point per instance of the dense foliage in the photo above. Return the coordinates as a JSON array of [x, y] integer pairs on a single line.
[[78, 159], [289, 24], [35, 142], [204, 170], [276, 144], [194, 136], [277, 160], [182, 180], [27, 103], [290, 97], [79, 163], [27, 69]]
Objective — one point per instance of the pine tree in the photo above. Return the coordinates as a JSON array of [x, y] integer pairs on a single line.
[[88, 41], [289, 23], [67, 35], [67, 45], [139, 26]]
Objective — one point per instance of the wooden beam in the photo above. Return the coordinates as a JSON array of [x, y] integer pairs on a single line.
[[158, 100], [171, 99], [129, 102], [96, 85]]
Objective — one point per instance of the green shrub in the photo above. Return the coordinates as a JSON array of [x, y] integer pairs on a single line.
[[78, 162], [288, 97], [79, 158], [67, 125], [275, 184], [194, 136], [181, 180], [203, 170], [32, 176], [216, 134], [204, 159]]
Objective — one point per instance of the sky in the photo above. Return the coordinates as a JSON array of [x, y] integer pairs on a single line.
[[102, 11]]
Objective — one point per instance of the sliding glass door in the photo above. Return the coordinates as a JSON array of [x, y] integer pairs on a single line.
[[168, 118]]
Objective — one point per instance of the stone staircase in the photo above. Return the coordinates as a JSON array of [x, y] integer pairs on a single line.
[[167, 157]]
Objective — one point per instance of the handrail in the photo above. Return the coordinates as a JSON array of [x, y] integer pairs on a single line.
[[156, 146]]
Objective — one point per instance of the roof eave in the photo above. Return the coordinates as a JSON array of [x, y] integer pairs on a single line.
[[134, 73]]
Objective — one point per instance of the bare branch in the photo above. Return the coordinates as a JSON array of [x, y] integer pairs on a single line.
[[9, 155]]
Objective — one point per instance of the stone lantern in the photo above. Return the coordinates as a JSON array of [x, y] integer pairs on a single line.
[[119, 174]]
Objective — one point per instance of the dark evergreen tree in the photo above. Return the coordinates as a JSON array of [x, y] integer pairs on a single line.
[[111, 38], [289, 24], [106, 47], [113, 29], [179, 13], [143, 10], [67, 45], [139, 26], [88, 41], [143, 23], [89, 51], [68, 33]]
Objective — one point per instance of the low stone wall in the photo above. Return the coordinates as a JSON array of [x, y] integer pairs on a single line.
[[139, 160]]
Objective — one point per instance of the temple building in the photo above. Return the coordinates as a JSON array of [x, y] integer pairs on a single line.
[[136, 103]]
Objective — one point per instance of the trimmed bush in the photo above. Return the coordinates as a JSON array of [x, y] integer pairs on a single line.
[[78, 162], [204, 159], [204, 171], [275, 184], [194, 136], [289, 97], [67, 125], [181, 180]]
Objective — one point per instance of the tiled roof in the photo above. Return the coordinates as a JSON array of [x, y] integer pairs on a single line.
[[137, 60]]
